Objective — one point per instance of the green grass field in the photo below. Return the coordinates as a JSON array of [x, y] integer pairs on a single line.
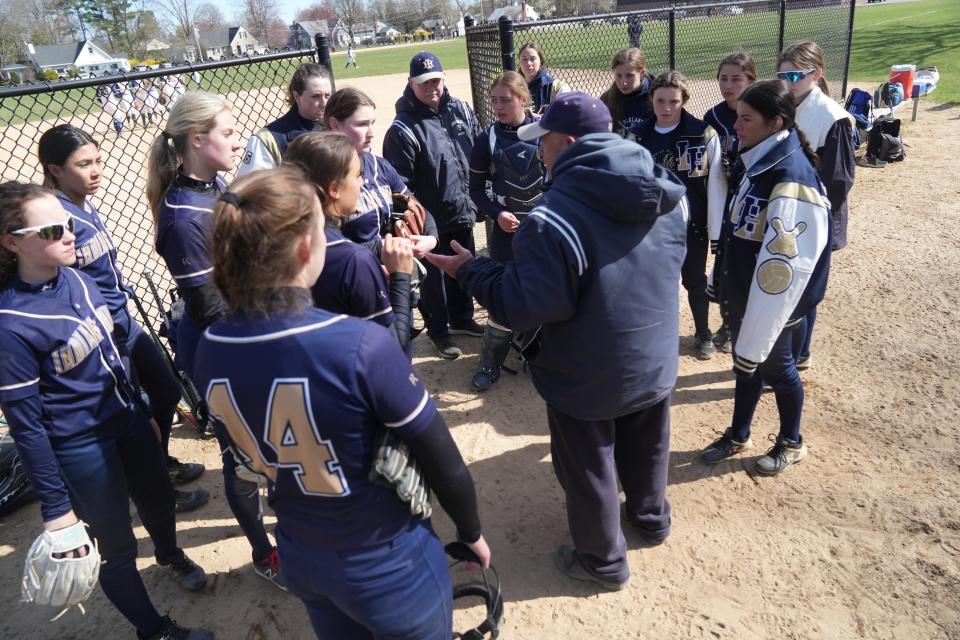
[[926, 32], [377, 61]]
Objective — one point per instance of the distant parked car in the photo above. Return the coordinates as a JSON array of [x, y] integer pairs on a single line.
[[733, 10]]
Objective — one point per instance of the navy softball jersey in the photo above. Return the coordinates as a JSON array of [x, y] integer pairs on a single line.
[[306, 417], [380, 182], [97, 257], [61, 373], [184, 225], [352, 282]]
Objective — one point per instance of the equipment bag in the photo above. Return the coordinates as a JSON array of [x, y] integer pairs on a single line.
[[884, 141], [890, 94]]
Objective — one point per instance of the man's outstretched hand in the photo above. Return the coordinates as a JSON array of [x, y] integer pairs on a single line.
[[450, 264]]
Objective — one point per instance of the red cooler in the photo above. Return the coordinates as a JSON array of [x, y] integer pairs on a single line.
[[905, 75]]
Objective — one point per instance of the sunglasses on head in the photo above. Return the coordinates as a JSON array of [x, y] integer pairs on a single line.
[[48, 231], [791, 77]]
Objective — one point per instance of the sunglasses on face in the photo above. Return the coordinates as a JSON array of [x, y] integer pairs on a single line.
[[791, 77], [48, 231]]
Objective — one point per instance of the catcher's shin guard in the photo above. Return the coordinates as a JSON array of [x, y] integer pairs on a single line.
[[494, 349]]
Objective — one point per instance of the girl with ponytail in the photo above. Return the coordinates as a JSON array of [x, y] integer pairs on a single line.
[[353, 281], [829, 128], [303, 393], [73, 167], [771, 271], [80, 427], [199, 141], [735, 73]]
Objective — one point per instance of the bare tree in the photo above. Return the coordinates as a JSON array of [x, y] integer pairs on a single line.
[[181, 14], [378, 9], [318, 11], [10, 42], [351, 12], [278, 34], [45, 22], [209, 17], [258, 15]]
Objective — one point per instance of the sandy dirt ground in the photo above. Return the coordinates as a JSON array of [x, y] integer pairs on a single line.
[[861, 540]]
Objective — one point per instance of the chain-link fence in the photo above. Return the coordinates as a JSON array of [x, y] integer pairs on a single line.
[[125, 113], [690, 39]]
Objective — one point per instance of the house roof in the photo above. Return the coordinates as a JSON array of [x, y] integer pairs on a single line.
[[210, 38], [313, 27], [55, 55], [50, 55]]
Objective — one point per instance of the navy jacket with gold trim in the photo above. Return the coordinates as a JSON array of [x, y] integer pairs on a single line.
[[772, 265], [692, 152]]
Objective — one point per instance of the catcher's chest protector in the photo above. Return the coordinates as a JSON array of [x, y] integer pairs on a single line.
[[517, 173]]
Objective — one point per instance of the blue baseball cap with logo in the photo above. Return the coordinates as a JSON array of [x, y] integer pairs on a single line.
[[574, 114], [425, 66]]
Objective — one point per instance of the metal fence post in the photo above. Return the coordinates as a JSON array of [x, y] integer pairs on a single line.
[[783, 25], [323, 56], [468, 21], [673, 38], [846, 62], [506, 43]]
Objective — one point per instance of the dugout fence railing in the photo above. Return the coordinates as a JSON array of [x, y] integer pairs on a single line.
[[689, 38], [256, 86]]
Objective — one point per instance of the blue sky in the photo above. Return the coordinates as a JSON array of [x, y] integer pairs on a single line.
[[288, 8]]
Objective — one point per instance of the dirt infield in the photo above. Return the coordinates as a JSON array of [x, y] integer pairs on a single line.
[[861, 540]]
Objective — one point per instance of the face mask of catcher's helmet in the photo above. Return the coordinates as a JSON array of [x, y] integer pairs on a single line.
[[486, 590]]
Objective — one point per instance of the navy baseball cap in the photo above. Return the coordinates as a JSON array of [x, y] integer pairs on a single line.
[[574, 114], [425, 66]]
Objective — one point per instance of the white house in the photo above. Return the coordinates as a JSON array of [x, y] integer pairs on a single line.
[[85, 56], [373, 32], [217, 44], [302, 34], [518, 13]]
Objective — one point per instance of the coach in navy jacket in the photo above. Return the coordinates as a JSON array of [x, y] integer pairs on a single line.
[[429, 144], [597, 268], [431, 151]]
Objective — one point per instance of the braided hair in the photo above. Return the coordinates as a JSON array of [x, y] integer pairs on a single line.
[[772, 98]]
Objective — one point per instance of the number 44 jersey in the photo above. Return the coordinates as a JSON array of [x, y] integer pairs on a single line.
[[301, 395]]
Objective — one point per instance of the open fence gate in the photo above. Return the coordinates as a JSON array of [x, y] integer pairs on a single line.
[[691, 39]]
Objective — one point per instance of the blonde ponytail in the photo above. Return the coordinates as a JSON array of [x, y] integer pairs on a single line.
[[194, 111]]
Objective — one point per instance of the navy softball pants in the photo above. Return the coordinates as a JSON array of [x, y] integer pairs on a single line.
[[152, 372], [693, 276], [399, 590], [242, 496], [103, 470], [442, 301], [779, 371], [588, 457]]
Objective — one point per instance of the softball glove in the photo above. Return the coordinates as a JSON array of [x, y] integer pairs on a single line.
[[60, 581]]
